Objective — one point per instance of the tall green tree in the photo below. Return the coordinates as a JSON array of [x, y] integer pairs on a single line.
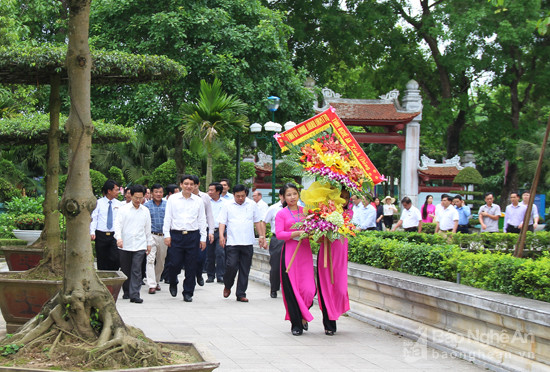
[[242, 43], [214, 115]]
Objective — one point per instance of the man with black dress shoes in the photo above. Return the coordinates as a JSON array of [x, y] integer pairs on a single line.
[[184, 231]]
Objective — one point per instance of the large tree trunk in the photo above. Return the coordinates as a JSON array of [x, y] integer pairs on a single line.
[[69, 313], [51, 235], [81, 285], [208, 169], [511, 177], [453, 134]]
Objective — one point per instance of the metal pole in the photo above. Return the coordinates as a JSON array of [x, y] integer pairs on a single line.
[[273, 153], [518, 252], [273, 176], [238, 143]]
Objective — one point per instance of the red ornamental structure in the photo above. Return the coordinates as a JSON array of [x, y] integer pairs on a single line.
[[397, 123]]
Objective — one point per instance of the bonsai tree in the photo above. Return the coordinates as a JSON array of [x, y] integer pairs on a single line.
[[23, 64], [469, 177], [66, 317]]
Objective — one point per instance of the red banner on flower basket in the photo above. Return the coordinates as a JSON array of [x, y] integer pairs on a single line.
[[320, 123]]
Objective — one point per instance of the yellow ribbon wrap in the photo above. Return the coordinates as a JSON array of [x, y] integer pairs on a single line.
[[321, 193]]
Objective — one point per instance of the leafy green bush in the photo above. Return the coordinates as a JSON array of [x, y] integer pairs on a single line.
[[115, 174], [29, 221], [8, 191], [247, 170], [6, 226], [428, 228], [165, 174], [23, 205]]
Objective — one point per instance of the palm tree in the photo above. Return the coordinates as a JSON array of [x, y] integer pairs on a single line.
[[213, 116]]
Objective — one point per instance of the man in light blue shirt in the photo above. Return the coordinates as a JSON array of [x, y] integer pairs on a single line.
[[225, 193], [157, 257], [464, 214]]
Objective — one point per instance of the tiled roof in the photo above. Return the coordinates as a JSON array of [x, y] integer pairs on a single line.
[[371, 112], [439, 171]]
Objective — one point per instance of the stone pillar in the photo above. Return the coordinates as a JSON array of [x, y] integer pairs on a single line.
[[410, 157]]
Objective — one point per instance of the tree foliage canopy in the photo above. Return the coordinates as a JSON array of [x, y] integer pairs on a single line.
[[27, 64], [28, 130]]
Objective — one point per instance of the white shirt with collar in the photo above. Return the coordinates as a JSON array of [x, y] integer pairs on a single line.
[[446, 217], [185, 214], [133, 226], [368, 219], [239, 220], [411, 217], [270, 214], [216, 206], [208, 210], [99, 215], [534, 212], [262, 207]]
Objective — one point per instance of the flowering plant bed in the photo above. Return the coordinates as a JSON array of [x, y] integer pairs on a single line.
[[29, 221]]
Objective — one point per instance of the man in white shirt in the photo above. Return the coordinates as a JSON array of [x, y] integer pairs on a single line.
[[275, 246], [258, 198], [534, 218], [226, 194], [184, 231], [102, 227], [358, 211], [210, 225], [215, 254], [368, 220], [489, 214], [239, 216], [446, 216], [411, 218], [133, 237]]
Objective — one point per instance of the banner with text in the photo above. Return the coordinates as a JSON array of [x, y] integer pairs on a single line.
[[321, 122]]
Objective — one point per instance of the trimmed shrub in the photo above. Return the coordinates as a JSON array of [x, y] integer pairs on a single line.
[[165, 174], [7, 191], [115, 174]]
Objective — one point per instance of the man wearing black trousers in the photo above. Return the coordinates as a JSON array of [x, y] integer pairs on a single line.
[[239, 216], [102, 227], [184, 231]]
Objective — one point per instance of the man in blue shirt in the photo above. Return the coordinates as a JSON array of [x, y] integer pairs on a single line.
[[157, 207], [464, 214]]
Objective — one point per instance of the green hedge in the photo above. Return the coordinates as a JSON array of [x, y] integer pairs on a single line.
[[534, 243], [499, 272]]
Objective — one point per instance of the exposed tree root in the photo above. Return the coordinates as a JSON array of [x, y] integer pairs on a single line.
[[61, 336]]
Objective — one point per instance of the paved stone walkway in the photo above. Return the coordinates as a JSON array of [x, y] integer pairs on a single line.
[[254, 336]]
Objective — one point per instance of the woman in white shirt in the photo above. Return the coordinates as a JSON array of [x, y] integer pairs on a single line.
[[389, 210]]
